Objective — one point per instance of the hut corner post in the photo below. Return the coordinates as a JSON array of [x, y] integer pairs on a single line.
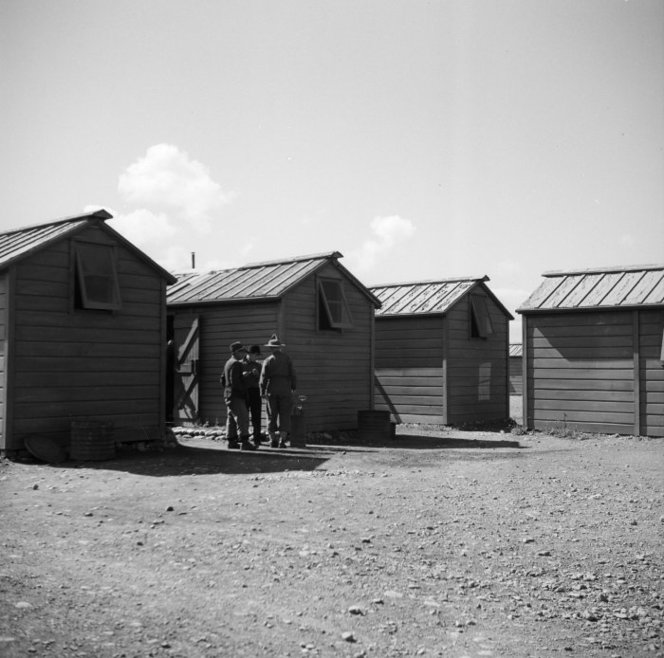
[[637, 372], [524, 372]]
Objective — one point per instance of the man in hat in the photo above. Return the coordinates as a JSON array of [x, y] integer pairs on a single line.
[[252, 374], [235, 396], [277, 384]]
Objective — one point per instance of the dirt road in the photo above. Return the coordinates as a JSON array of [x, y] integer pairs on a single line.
[[439, 543]]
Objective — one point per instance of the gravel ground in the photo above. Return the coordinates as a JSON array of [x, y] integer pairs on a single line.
[[437, 543]]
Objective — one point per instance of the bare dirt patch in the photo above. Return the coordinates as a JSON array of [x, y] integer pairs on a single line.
[[437, 543]]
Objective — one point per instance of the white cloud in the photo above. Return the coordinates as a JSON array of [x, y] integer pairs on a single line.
[[168, 180], [143, 227], [387, 233]]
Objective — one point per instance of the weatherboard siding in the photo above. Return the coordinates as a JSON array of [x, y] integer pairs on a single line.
[[580, 371], [72, 364], [651, 372], [4, 337], [219, 326], [477, 368], [410, 380], [334, 367]]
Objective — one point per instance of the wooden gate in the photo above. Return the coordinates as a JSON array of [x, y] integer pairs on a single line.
[[187, 337]]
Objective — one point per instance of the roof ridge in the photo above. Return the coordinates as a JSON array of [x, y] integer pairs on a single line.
[[101, 213], [429, 282], [605, 270]]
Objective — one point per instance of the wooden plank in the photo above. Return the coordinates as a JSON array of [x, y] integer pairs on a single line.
[[409, 372], [583, 406], [70, 394], [598, 364], [588, 395], [584, 384], [598, 352], [582, 373], [597, 427], [583, 324], [412, 382], [589, 341], [399, 398], [643, 288], [583, 416]]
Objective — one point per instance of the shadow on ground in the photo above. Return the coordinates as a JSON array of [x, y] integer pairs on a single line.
[[419, 442], [201, 460]]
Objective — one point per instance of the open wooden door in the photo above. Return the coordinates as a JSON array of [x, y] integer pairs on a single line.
[[187, 337]]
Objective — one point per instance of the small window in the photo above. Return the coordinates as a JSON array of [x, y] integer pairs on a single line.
[[96, 277], [333, 311], [480, 321]]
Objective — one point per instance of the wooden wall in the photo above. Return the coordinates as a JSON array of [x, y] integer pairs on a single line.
[[219, 326], [477, 368], [70, 364], [651, 372], [516, 376], [595, 371], [4, 335], [410, 380], [334, 367]]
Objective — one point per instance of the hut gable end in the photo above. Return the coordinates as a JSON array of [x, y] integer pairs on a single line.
[[441, 351], [593, 350], [84, 332]]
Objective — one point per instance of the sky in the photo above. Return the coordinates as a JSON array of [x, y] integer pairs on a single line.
[[422, 139]]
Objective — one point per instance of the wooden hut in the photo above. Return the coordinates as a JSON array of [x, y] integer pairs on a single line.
[[441, 352], [516, 374], [315, 306], [593, 353], [82, 332]]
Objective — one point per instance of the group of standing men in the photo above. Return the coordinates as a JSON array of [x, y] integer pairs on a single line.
[[246, 383]]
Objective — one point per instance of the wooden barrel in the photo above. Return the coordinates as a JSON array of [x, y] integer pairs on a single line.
[[372, 424], [91, 440]]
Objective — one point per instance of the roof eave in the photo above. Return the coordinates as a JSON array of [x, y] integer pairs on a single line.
[[224, 302], [579, 309]]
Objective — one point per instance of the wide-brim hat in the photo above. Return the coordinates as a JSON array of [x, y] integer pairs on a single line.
[[274, 342], [237, 346]]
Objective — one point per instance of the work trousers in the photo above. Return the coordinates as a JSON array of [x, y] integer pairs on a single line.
[[237, 418], [279, 412], [255, 404]]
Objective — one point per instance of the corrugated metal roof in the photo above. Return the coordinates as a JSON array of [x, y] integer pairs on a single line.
[[613, 287], [18, 243], [516, 349], [256, 281], [424, 296]]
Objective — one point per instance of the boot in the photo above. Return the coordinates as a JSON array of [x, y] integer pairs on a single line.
[[245, 444], [274, 440], [282, 439], [233, 444]]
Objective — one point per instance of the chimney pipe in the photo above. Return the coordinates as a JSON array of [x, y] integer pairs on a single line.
[[193, 260]]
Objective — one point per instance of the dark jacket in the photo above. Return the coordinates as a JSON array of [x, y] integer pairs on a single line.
[[278, 375], [235, 384]]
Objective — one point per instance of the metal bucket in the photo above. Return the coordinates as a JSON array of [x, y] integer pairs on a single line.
[[91, 440]]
